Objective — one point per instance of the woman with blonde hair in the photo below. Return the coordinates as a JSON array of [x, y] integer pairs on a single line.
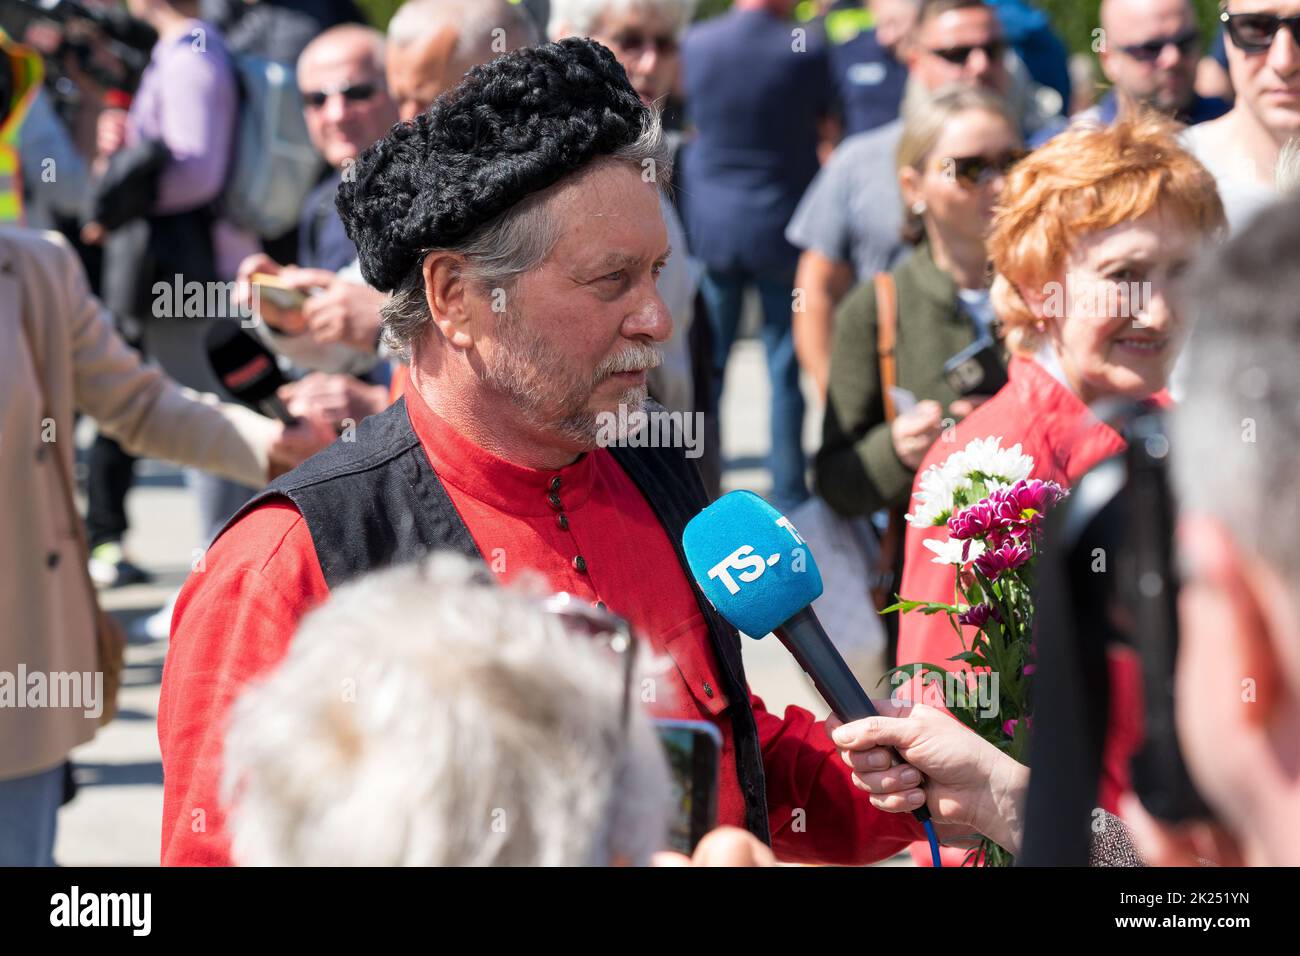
[[955, 151], [1094, 231]]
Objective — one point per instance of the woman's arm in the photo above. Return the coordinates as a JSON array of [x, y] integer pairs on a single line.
[[148, 412]]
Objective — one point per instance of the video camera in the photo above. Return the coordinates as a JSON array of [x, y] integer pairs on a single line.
[[110, 46], [1106, 577]]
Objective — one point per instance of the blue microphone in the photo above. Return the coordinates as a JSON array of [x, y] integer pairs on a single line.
[[758, 573]]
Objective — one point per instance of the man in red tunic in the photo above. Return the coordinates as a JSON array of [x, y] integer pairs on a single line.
[[517, 225]]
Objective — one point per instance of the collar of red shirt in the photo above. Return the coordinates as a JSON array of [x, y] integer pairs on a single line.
[[1074, 436], [503, 485]]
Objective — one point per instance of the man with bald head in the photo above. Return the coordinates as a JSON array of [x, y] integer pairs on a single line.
[[433, 43], [347, 106], [1150, 55]]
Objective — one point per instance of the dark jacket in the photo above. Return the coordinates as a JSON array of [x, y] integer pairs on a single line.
[[408, 514], [857, 470], [144, 247]]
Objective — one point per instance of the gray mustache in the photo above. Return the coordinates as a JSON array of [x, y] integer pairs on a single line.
[[636, 358]]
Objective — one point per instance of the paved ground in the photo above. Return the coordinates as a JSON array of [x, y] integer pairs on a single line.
[[116, 815]]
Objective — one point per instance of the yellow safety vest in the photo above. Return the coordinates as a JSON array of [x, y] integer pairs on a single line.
[[28, 71]]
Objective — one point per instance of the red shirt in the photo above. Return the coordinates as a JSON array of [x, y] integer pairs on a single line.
[[235, 618], [1055, 428]]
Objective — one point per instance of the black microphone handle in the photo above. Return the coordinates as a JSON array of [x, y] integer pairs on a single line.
[[807, 641], [272, 407]]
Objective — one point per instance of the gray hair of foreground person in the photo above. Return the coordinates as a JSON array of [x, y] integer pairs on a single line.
[[1236, 441], [425, 716]]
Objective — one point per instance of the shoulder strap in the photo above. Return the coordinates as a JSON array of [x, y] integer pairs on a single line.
[[886, 338]]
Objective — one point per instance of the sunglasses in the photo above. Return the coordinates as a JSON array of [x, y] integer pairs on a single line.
[[1254, 32], [974, 171], [958, 55], [606, 628], [1186, 44], [635, 42], [355, 93]]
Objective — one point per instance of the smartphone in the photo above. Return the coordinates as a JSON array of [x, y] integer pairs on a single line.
[[978, 369], [270, 289], [693, 749]]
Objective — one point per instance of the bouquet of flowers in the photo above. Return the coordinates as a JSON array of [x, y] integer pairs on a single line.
[[994, 513]]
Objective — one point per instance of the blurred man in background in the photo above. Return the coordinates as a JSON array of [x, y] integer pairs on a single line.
[[869, 72], [757, 87], [1150, 56], [433, 43], [1242, 147], [347, 107]]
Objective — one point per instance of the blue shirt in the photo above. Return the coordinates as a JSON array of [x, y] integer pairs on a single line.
[[1202, 110], [322, 241], [869, 82], [755, 90]]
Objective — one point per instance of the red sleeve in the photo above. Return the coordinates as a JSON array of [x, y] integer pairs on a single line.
[[815, 813], [233, 621]]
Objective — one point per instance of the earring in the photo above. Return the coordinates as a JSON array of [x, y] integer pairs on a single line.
[[1040, 326], [918, 208]]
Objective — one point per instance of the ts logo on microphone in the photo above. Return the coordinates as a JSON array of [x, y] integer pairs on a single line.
[[749, 565]]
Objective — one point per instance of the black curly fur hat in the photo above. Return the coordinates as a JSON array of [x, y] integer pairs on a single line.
[[514, 126]]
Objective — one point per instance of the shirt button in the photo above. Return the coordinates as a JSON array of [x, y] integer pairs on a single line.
[[52, 560], [555, 483], [554, 501], [708, 690], [580, 564], [563, 521], [40, 453]]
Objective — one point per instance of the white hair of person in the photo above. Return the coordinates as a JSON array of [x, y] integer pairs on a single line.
[[485, 27], [1236, 431], [425, 716], [1288, 168], [581, 17]]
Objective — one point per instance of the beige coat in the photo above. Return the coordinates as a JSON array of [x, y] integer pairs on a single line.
[[45, 610]]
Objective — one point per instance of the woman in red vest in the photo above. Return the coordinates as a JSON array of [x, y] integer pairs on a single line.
[[1092, 234]]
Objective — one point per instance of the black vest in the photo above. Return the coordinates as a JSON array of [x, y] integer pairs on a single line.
[[376, 501]]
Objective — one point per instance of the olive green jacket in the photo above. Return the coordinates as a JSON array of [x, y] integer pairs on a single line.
[[857, 470]]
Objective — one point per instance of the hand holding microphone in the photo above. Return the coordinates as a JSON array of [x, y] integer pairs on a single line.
[[752, 564], [248, 371]]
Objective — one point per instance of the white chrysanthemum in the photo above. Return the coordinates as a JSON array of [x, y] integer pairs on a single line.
[[985, 456], [951, 551], [939, 483]]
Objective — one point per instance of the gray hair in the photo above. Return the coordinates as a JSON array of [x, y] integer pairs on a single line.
[[515, 242], [1236, 436], [581, 17], [1288, 167], [425, 716], [485, 28]]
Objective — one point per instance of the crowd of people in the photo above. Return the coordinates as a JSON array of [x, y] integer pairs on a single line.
[[512, 221]]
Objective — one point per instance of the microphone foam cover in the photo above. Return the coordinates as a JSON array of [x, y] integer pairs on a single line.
[[750, 562], [244, 366]]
